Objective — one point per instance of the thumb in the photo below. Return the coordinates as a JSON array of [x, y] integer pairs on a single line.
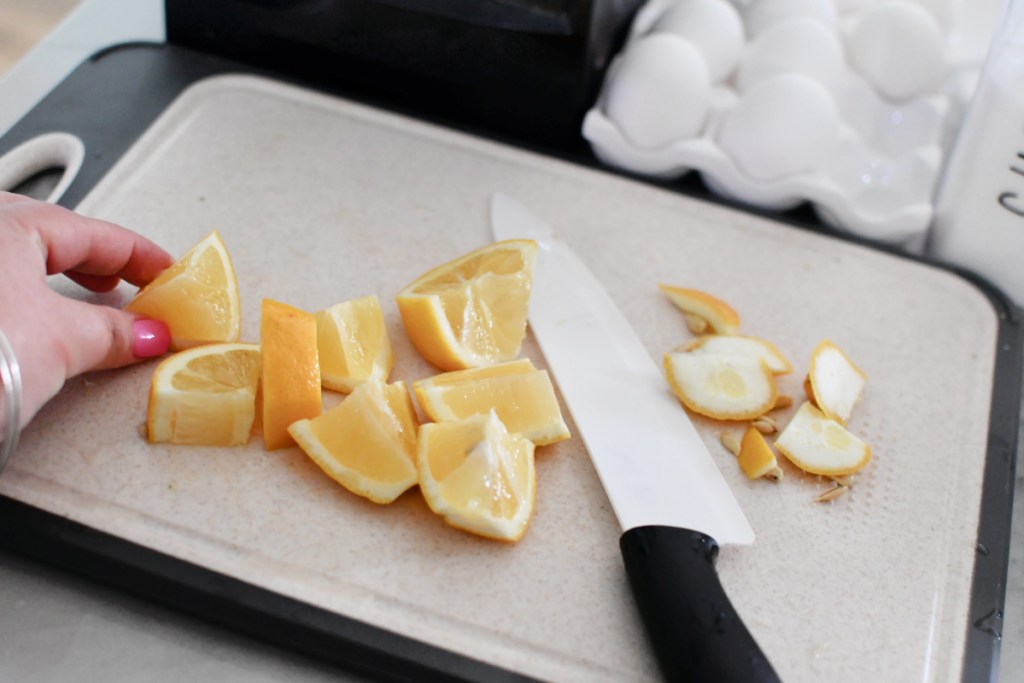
[[106, 337]]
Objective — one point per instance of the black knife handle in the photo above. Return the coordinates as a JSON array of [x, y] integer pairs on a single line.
[[696, 633]]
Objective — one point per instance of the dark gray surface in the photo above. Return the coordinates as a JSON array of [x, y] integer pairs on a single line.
[[66, 628]]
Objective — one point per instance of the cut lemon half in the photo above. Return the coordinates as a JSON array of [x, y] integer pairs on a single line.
[[478, 476], [722, 318], [291, 370], [367, 443], [205, 396], [834, 383], [818, 444], [197, 297], [471, 311], [521, 395], [353, 345], [721, 387], [735, 346]]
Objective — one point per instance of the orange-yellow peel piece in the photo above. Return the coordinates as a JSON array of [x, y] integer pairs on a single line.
[[818, 444], [722, 318], [736, 346], [834, 382], [756, 457], [721, 387]]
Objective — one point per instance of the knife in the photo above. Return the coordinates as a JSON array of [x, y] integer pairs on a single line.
[[671, 501]]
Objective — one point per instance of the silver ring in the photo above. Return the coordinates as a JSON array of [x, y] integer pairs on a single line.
[[10, 377]]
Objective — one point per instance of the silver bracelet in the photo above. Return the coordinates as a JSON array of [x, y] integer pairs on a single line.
[[10, 378]]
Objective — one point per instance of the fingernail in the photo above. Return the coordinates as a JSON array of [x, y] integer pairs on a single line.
[[152, 338]]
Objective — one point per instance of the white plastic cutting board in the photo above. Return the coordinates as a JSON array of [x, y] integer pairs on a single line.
[[320, 200]]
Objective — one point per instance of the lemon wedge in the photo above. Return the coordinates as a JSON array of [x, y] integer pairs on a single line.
[[471, 311], [205, 396], [353, 344], [196, 297], [291, 371], [521, 395], [478, 476], [367, 443]]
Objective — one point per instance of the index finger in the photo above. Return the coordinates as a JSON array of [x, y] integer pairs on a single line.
[[88, 246]]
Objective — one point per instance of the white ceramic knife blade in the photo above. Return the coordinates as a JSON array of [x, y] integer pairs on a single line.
[[673, 504], [652, 463]]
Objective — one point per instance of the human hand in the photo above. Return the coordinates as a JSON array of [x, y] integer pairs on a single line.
[[53, 337]]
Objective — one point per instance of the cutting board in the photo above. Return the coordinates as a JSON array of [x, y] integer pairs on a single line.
[[321, 200]]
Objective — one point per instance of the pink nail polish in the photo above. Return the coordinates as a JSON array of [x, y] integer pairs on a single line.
[[152, 338]]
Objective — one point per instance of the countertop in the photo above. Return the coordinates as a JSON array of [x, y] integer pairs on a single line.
[[58, 627]]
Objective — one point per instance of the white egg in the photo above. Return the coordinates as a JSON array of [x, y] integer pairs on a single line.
[[899, 47], [848, 7], [783, 126], [800, 45], [659, 92], [713, 26], [760, 14], [942, 10]]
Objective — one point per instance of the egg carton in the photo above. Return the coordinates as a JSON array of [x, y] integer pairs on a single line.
[[849, 106]]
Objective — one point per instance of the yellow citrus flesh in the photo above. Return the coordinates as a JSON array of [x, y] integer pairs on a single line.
[[834, 383], [521, 395], [756, 457], [478, 476], [818, 444], [721, 387], [471, 311], [197, 297], [205, 396], [718, 314], [367, 443], [736, 346], [291, 371], [353, 344], [520, 366]]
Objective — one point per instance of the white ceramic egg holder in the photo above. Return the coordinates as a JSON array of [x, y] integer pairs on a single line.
[[868, 164]]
